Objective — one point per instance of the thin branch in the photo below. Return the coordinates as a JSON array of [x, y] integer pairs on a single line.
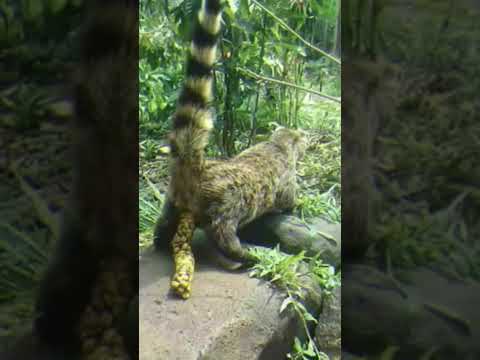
[[293, 32], [264, 78]]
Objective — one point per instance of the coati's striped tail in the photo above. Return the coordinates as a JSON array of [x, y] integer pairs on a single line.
[[193, 120]]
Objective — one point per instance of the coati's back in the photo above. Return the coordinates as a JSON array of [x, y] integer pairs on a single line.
[[259, 180]]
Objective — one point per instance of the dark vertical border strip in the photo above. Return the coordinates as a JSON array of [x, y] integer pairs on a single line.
[[409, 180]]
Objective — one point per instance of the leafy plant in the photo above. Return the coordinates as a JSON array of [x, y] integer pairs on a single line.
[[149, 149], [305, 351], [324, 205], [287, 272]]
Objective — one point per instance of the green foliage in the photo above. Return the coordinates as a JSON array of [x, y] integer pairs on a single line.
[[149, 212], [25, 245], [26, 105], [280, 269], [316, 204], [325, 275], [305, 351], [150, 205], [251, 40], [321, 115], [320, 170], [288, 273], [148, 149], [34, 19], [160, 71]]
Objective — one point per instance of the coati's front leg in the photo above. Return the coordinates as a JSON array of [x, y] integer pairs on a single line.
[[225, 237], [182, 278], [65, 288]]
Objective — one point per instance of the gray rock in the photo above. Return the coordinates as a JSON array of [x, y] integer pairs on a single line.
[[421, 310], [328, 333], [229, 316], [293, 235]]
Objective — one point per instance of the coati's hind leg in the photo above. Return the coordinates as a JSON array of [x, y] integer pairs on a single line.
[[225, 237], [175, 229], [182, 278], [166, 226]]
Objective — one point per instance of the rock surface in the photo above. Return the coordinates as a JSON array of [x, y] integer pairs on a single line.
[[423, 309], [228, 317], [328, 333], [293, 236]]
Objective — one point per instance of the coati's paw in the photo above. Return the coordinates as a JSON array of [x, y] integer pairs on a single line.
[[181, 284], [182, 279]]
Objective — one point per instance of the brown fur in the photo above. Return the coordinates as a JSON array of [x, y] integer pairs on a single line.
[[232, 193]]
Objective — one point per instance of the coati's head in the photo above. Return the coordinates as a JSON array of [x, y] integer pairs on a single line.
[[292, 140]]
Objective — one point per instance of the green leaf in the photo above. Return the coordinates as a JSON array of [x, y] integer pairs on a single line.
[[310, 351], [309, 317], [297, 345], [285, 303]]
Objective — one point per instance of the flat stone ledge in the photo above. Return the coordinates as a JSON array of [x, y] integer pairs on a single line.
[[229, 316]]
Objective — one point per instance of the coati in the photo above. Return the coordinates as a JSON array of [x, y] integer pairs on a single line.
[[95, 263], [218, 196]]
